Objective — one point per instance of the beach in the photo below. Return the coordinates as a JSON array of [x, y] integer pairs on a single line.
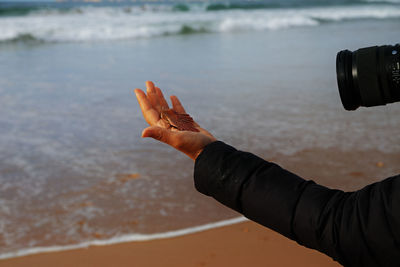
[[231, 243], [235, 243], [244, 244], [74, 171]]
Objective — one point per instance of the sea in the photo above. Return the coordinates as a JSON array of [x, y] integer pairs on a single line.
[[259, 75]]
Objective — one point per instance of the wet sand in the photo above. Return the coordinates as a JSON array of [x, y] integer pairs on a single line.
[[243, 244], [344, 170]]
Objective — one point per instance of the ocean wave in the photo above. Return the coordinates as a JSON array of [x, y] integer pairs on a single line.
[[383, 1], [16, 11], [243, 5], [24, 38], [27, 8], [10, 9], [123, 239], [86, 24]]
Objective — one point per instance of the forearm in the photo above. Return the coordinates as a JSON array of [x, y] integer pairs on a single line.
[[350, 227], [261, 190]]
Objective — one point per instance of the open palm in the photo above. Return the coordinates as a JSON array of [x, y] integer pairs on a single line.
[[189, 142]]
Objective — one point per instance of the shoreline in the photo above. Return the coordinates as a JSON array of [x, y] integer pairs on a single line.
[[240, 244], [348, 171], [82, 135], [122, 239]]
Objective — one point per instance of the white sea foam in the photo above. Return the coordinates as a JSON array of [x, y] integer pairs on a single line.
[[123, 239], [383, 1], [116, 23]]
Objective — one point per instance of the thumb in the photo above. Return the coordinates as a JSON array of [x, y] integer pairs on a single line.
[[158, 133]]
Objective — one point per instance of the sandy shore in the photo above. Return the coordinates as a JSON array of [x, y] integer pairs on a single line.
[[243, 244]]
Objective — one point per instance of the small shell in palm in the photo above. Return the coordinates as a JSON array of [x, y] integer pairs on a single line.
[[180, 121]]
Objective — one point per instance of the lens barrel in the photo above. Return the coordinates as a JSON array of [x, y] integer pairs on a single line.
[[369, 76]]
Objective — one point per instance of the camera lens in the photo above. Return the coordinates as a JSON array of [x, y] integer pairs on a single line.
[[369, 76]]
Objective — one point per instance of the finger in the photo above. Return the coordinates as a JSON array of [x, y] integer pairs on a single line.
[[176, 104], [152, 96], [160, 134], [161, 99], [149, 113]]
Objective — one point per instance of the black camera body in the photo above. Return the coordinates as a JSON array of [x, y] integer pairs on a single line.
[[369, 76]]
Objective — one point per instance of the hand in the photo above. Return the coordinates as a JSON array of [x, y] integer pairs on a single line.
[[188, 142]]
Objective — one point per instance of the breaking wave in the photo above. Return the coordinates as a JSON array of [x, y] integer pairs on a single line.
[[86, 24], [383, 1]]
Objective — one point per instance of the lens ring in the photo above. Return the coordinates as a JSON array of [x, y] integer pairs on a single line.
[[348, 93]]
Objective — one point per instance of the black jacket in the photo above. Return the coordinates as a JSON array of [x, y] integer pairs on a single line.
[[360, 228]]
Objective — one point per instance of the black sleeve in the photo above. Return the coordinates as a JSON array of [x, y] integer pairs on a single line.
[[359, 228]]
